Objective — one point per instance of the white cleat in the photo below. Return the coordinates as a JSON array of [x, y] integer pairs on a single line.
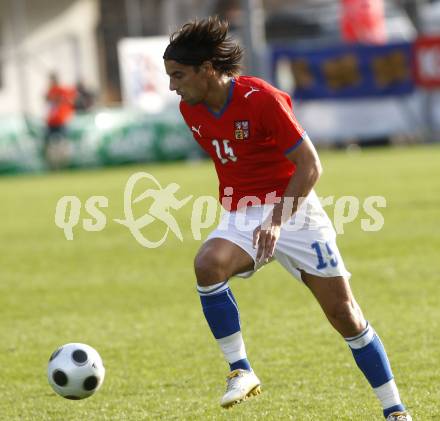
[[242, 384], [399, 416]]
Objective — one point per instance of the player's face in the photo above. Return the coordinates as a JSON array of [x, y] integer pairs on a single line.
[[189, 84]]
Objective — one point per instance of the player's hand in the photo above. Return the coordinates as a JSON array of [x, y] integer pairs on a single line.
[[265, 238]]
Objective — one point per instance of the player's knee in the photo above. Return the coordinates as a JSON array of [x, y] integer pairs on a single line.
[[209, 268]]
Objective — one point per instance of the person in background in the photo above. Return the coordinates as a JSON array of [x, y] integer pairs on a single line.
[[60, 100], [84, 98]]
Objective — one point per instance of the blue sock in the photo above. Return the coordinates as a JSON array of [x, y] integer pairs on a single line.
[[373, 362], [243, 364], [221, 313], [370, 356]]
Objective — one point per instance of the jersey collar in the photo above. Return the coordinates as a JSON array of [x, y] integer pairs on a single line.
[[228, 100]]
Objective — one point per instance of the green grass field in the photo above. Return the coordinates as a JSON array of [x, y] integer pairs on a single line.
[[138, 307]]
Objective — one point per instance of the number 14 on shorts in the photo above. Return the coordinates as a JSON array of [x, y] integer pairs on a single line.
[[326, 258]]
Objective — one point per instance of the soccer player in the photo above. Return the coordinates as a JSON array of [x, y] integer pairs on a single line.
[[267, 167]]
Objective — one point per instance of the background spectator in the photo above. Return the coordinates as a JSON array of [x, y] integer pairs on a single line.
[[84, 98], [60, 100]]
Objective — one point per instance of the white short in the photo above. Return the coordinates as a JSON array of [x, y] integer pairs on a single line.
[[307, 242]]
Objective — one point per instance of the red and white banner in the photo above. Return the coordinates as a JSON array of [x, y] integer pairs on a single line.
[[363, 21], [427, 61]]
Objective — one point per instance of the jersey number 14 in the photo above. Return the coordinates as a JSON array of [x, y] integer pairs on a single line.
[[224, 152]]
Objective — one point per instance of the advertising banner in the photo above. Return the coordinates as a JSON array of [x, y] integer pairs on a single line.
[[346, 71], [20, 145], [119, 136], [105, 137], [427, 61]]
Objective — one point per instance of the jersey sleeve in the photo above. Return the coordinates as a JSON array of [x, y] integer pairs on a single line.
[[280, 122]]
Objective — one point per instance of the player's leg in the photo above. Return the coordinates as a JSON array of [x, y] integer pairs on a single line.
[[307, 249], [335, 297], [217, 260], [341, 309]]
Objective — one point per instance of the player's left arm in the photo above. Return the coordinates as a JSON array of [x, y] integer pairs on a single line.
[[308, 171], [279, 121]]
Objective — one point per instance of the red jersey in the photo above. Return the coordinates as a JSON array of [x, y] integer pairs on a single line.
[[248, 140], [60, 105]]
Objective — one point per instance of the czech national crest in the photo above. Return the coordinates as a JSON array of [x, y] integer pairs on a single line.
[[241, 130]]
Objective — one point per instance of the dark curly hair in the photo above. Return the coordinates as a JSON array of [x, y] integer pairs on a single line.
[[205, 40]]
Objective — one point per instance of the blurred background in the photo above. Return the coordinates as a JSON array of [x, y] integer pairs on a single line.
[[82, 82]]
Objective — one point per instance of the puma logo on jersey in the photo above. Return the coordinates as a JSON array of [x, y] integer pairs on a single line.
[[251, 91], [196, 130]]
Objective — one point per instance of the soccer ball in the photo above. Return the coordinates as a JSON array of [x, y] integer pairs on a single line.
[[75, 371]]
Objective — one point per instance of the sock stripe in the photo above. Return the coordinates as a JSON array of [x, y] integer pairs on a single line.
[[360, 335], [215, 290], [363, 339], [232, 300]]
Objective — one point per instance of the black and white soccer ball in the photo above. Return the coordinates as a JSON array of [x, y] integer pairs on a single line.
[[75, 371]]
